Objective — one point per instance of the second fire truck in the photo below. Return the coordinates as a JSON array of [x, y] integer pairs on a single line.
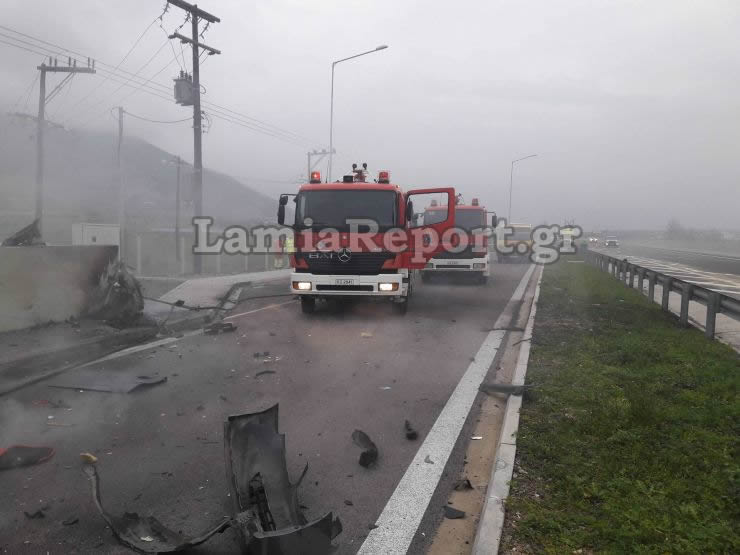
[[470, 258]]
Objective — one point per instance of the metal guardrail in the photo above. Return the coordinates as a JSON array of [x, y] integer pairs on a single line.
[[625, 271]]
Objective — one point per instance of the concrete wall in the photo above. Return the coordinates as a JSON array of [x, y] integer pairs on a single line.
[[42, 284]]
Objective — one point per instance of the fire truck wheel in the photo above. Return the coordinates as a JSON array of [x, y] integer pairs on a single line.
[[403, 307], [308, 305]]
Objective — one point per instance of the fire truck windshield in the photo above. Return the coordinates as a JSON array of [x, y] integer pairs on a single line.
[[466, 219], [334, 208]]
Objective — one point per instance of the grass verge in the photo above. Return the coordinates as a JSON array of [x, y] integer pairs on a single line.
[[628, 438]]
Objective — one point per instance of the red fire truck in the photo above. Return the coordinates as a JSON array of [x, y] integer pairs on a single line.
[[356, 238], [467, 251]]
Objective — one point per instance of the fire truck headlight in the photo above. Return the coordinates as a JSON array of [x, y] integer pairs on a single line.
[[478, 265], [302, 285], [387, 287]]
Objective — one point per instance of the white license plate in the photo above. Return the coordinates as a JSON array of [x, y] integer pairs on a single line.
[[344, 282]]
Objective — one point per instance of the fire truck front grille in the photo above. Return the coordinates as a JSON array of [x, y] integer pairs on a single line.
[[344, 288], [452, 266], [359, 263], [467, 253]]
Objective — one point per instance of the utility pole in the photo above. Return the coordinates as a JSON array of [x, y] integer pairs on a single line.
[[196, 14], [177, 212], [320, 153], [120, 189], [53, 67]]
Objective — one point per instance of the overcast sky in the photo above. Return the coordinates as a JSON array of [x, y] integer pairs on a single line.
[[632, 107]]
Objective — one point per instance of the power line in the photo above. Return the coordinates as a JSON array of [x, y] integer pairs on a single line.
[[125, 57], [154, 120], [142, 68], [26, 91], [159, 90]]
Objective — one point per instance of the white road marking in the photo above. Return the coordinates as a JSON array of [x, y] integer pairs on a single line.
[[400, 519]]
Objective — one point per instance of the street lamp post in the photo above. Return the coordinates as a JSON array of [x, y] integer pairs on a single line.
[[331, 112], [511, 181]]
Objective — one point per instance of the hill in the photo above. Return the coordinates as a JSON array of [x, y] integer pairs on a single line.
[[80, 184]]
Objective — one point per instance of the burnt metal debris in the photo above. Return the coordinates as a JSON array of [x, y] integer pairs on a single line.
[[369, 455], [118, 298], [266, 514], [29, 236]]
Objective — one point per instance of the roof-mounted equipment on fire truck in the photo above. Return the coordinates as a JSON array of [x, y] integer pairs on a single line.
[[315, 177], [474, 202], [384, 176]]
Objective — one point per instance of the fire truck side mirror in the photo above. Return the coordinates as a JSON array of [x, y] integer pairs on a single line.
[[409, 210], [494, 219], [281, 209]]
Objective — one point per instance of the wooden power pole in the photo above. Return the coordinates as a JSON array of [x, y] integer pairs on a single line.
[[196, 14], [53, 67]]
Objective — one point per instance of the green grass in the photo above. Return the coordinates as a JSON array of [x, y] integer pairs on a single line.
[[628, 441]]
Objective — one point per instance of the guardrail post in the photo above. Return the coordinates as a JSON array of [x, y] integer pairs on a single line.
[[640, 279], [666, 292], [630, 275], [651, 285], [713, 308], [685, 298]]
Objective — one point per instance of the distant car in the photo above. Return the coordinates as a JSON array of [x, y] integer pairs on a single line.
[[611, 242], [593, 240]]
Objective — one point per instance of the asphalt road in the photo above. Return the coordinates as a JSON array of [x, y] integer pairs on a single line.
[[160, 450], [710, 262], [716, 271]]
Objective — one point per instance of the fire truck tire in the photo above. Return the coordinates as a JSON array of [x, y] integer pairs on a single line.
[[308, 305], [403, 307]]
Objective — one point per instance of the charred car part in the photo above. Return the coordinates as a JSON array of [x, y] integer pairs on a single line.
[[266, 513]]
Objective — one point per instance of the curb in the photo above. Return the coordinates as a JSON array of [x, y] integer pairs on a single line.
[[491, 524], [73, 356]]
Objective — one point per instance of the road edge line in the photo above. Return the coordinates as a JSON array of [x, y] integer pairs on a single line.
[[491, 524], [402, 514]]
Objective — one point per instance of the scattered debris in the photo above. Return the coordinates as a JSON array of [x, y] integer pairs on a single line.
[[36, 514], [372, 526], [453, 513], [263, 372], [118, 298], [219, 327], [88, 379], [223, 398], [23, 455], [70, 521], [504, 388], [385, 387], [463, 484], [200, 408], [366, 334], [476, 437], [348, 503], [88, 458], [266, 514], [428, 460], [29, 236], [411, 434], [369, 454]]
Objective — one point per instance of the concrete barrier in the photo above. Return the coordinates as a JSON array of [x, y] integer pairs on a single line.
[[42, 284]]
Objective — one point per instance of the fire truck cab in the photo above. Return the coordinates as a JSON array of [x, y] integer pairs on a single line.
[[359, 238], [470, 258]]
